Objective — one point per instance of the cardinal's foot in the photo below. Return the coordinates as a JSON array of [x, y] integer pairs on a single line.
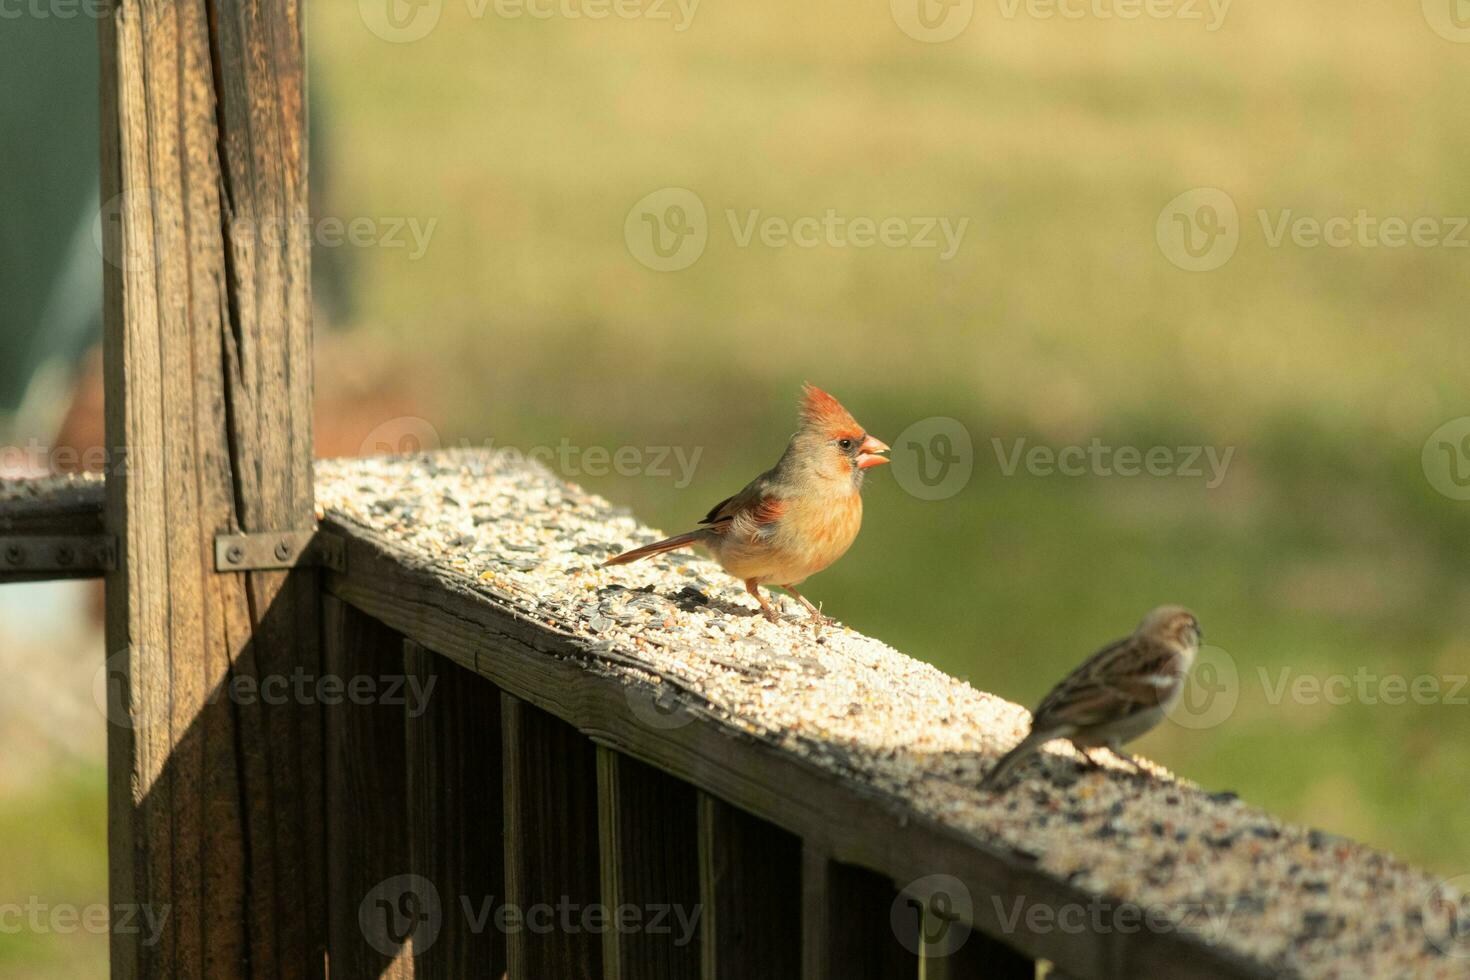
[[817, 618]]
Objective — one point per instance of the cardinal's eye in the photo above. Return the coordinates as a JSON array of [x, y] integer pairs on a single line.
[[845, 444]]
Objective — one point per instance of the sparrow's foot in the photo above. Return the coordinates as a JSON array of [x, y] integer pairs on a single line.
[[1088, 763], [1091, 761], [1129, 760]]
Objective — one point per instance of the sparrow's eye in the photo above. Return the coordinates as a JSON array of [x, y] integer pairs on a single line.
[[845, 444]]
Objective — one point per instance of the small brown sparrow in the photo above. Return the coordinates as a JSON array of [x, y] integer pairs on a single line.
[[1118, 694]]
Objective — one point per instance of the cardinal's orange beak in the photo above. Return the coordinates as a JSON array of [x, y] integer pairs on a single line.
[[868, 453]]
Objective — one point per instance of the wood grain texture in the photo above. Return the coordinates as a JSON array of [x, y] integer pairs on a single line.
[[455, 812], [750, 886], [847, 933], [376, 908], [215, 799], [816, 914], [551, 845], [650, 863], [847, 819]]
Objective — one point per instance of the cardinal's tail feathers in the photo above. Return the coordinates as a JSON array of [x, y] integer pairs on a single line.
[[657, 548]]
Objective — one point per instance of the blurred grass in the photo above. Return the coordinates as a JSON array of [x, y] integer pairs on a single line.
[[1325, 550], [55, 859]]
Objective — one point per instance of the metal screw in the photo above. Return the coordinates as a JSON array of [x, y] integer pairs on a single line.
[[65, 555], [235, 555], [15, 554], [283, 550]]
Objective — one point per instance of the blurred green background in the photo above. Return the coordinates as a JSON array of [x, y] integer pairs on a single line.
[[1325, 551]]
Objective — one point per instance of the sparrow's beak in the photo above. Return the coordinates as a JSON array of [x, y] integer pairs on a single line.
[[868, 453]]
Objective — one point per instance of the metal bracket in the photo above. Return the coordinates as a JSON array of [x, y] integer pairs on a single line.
[[278, 550], [58, 553]]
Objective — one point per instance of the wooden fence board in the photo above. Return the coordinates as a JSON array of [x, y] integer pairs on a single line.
[[215, 794], [456, 817], [750, 878], [847, 932], [377, 908], [650, 864], [551, 845]]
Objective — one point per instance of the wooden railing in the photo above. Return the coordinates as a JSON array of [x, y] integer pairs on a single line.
[[539, 744]]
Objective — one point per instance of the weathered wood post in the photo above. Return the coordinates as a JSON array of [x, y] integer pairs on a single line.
[[215, 788]]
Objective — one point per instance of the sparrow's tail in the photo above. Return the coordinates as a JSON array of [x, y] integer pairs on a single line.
[[657, 548], [1008, 762]]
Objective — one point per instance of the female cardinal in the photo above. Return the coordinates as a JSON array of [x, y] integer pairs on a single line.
[[796, 518], [1117, 694]]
